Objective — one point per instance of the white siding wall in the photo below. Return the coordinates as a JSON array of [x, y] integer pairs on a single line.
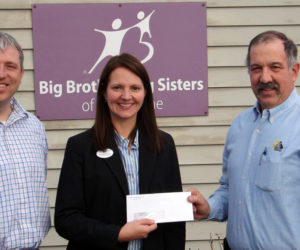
[[231, 24]]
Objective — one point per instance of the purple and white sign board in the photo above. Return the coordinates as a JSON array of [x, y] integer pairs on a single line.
[[73, 42]]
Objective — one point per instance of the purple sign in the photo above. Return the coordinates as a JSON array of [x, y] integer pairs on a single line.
[[73, 42]]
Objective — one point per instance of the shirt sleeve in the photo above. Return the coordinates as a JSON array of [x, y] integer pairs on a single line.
[[45, 147], [218, 201]]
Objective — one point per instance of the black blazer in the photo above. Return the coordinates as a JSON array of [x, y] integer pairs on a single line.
[[91, 197]]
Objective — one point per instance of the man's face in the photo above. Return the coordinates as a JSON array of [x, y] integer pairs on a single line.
[[271, 80], [10, 75]]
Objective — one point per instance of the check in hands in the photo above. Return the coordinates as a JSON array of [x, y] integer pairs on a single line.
[[139, 229]]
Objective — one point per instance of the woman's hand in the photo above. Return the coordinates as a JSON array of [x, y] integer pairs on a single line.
[[136, 230]]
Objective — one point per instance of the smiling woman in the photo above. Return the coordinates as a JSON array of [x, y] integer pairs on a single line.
[[123, 153], [124, 95]]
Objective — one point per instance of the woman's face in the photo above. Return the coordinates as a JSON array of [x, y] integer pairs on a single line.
[[124, 95]]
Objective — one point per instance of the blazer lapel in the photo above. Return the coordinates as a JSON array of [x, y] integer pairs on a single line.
[[115, 164], [146, 168]]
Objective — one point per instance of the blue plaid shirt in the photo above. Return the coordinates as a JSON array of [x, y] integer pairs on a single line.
[[130, 161], [24, 207]]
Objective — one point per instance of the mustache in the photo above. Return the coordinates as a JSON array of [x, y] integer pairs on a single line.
[[269, 85]]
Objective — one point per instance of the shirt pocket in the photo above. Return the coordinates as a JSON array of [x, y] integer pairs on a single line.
[[269, 172]]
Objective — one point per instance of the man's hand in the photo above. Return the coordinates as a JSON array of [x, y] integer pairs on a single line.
[[136, 230], [200, 206]]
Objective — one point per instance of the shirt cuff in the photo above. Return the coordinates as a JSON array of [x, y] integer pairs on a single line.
[[213, 209]]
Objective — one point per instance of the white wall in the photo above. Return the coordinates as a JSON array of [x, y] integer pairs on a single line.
[[231, 24]]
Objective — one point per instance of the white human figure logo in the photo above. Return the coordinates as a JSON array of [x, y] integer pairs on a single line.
[[114, 39]]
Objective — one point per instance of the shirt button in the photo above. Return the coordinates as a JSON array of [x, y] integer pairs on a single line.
[[243, 178], [257, 131], [249, 153], [240, 203], [238, 227], [132, 180]]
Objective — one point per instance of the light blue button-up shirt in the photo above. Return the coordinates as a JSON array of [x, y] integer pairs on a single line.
[[260, 185], [130, 160]]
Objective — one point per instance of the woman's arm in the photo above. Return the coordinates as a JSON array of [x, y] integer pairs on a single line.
[[174, 233], [71, 221]]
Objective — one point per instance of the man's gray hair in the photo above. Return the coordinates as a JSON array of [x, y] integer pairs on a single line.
[[7, 40], [289, 46]]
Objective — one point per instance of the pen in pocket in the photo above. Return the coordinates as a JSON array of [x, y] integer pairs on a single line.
[[264, 153]]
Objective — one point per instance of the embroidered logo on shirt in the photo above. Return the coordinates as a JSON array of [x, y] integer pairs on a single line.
[[277, 145]]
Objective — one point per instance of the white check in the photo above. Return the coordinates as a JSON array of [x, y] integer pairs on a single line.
[[161, 207]]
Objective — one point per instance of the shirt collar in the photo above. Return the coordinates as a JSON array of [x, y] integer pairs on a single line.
[[120, 140], [273, 113], [17, 112]]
